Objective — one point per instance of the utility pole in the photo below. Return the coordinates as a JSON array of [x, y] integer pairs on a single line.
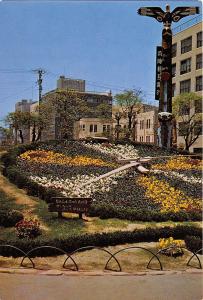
[[118, 116], [165, 98], [40, 72]]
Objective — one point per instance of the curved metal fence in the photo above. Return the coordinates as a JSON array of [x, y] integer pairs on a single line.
[[30, 253]]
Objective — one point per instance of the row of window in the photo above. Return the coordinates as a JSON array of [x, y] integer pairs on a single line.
[[93, 128], [185, 109], [147, 139], [185, 86], [185, 65], [98, 100], [183, 128], [148, 124], [186, 44]]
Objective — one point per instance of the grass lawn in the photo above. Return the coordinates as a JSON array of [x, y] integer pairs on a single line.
[[70, 224]]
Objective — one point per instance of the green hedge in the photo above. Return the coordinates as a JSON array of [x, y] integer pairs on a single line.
[[109, 211], [98, 239], [194, 243], [9, 211], [9, 218]]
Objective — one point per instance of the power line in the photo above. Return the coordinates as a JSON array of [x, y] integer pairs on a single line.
[[4, 98], [101, 85], [12, 71]]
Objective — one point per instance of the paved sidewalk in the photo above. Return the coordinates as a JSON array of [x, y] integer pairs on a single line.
[[178, 286]]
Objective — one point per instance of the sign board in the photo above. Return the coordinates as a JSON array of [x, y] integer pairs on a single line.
[[158, 72], [73, 205]]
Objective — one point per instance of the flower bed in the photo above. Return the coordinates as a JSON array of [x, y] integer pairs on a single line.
[[169, 198], [50, 169], [51, 157], [180, 163]]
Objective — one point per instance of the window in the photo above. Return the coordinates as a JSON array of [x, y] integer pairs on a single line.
[[198, 83], [82, 127], [142, 124], [198, 128], [182, 128], [148, 138], [199, 39], [197, 150], [185, 86], [141, 138], [91, 128], [174, 50], [106, 128], [184, 110], [95, 128], [186, 45], [199, 61], [173, 70], [148, 123], [198, 106], [173, 89], [185, 66]]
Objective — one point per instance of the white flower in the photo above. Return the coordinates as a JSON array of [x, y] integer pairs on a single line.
[[190, 179], [118, 151], [75, 185]]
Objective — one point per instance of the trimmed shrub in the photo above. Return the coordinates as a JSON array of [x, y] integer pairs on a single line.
[[194, 243], [108, 211], [10, 218], [98, 239]]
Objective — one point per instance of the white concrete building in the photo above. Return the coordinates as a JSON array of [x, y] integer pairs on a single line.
[[187, 67]]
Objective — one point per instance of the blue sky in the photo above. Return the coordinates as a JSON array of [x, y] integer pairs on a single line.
[[106, 43]]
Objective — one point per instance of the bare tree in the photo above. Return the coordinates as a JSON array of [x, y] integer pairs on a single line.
[[187, 111], [130, 103]]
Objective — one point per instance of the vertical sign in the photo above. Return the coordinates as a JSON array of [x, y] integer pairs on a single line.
[[158, 72]]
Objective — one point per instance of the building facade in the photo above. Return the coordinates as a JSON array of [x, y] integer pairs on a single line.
[[144, 124], [187, 69], [25, 106], [91, 124], [93, 127]]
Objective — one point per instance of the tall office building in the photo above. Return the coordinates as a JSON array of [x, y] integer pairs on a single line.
[[187, 68]]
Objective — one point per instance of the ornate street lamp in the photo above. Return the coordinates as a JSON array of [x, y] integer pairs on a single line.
[[118, 116], [165, 100]]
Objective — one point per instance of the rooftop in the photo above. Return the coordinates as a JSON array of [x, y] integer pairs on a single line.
[[187, 24]]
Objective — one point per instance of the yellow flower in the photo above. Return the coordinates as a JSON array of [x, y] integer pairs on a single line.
[[179, 163], [166, 196], [51, 157]]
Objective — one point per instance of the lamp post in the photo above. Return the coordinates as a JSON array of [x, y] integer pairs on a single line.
[[165, 100], [118, 117]]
